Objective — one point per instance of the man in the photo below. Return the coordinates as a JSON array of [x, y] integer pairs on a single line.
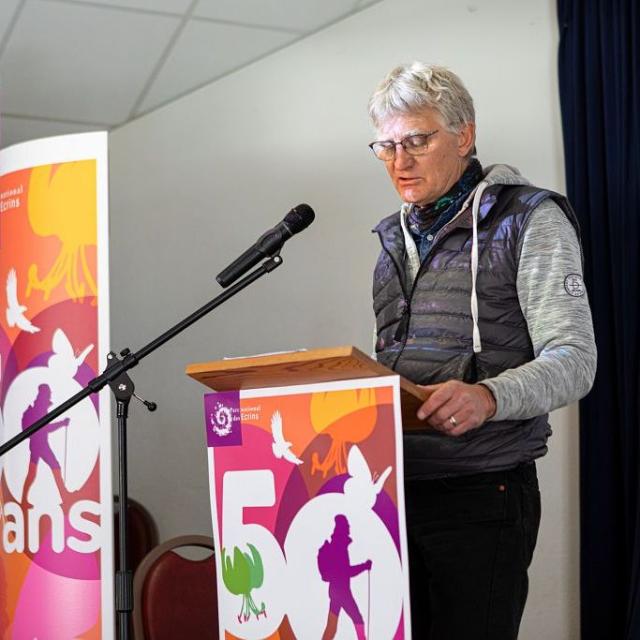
[[478, 295]]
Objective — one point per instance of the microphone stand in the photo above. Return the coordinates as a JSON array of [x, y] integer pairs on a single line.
[[115, 375]]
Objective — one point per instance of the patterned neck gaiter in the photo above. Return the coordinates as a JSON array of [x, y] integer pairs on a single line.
[[421, 219], [425, 222]]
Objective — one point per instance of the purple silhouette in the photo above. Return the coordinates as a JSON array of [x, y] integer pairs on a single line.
[[336, 569], [39, 441]]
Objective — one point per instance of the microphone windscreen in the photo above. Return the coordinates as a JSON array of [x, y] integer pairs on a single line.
[[299, 218]]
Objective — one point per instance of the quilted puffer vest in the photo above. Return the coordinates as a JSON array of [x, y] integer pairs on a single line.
[[424, 328]]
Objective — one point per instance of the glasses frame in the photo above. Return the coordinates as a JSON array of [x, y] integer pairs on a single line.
[[403, 144]]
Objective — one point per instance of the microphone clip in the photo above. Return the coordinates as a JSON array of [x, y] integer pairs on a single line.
[[273, 262]]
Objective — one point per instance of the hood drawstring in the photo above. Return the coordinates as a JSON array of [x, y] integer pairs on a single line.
[[477, 344]]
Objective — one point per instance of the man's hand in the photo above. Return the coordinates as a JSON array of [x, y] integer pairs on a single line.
[[455, 407]]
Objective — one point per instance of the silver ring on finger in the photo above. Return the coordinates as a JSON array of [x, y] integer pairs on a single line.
[[453, 421]]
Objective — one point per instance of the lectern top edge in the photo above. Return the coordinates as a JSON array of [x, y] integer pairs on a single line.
[[304, 367], [301, 355]]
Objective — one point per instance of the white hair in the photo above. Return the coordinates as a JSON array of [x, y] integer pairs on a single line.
[[413, 87]]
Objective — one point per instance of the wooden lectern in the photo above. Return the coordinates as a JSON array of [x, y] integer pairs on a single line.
[[278, 500], [305, 367]]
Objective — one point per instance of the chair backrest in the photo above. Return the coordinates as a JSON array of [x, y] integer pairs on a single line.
[[175, 597], [142, 533]]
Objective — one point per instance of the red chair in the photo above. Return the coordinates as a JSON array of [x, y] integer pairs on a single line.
[[174, 597], [142, 534]]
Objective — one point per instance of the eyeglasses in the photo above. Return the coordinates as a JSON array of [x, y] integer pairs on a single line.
[[415, 145]]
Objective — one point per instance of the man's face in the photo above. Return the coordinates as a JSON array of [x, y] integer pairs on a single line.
[[423, 179]]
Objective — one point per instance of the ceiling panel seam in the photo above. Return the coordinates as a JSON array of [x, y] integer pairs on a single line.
[[20, 116], [111, 7], [177, 14], [11, 27], [201, 85], [303, 36], [360, 4], [247, 25], [163, 58]]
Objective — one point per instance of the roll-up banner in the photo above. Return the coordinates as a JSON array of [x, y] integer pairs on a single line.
[[308, 511], [56, 504]]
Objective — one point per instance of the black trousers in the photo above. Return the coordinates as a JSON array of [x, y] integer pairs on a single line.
[[471, 540]]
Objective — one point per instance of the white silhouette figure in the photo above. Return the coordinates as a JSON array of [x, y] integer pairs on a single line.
[[63, 362], [74, 446], [281, 448], [360, 487], [15, 310], [382, 598]]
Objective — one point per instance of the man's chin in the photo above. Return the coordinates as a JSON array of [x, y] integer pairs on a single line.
[[413, 197], [418, 201]]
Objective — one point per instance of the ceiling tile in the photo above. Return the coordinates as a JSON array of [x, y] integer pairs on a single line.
[[206, 51], [13, 130], [305, 15], [73, 62], [170, 6], [7, 9]]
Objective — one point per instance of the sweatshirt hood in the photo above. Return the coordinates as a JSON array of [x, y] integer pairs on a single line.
[[503, 174]]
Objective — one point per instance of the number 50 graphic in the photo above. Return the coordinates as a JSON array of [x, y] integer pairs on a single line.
[[262, 583]]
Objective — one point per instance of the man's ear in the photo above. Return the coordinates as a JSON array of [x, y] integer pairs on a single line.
[[466, 139]]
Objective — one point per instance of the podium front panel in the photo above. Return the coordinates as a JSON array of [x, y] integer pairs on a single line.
[[308, 510]]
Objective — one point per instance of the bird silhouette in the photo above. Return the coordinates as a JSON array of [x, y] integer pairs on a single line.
[[15, 310], [281, 448]]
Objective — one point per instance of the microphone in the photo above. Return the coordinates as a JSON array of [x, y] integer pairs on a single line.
[[268, 244]]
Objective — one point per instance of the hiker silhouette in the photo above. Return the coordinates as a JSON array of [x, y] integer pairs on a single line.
[[39, 442], [336, 569]]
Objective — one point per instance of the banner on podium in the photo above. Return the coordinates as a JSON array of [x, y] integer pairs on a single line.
[[56, 560], [308, 511]]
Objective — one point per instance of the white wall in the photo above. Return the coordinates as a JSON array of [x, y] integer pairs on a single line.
[[194, 183]]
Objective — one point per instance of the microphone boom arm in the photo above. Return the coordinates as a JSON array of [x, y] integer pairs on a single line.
[[130, 360]]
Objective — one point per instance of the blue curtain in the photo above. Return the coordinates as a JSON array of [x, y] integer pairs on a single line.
[[599, 72]]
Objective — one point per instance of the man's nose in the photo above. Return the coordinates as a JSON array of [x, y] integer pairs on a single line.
[[402, 159]]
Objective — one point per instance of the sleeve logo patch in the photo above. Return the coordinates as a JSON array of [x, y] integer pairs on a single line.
[[574, 285]]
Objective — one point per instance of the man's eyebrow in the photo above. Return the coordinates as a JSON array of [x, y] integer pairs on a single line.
[[413, 132], [406, 134]]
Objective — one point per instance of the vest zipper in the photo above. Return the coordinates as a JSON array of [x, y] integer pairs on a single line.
[[405, 319], [403, 326]]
